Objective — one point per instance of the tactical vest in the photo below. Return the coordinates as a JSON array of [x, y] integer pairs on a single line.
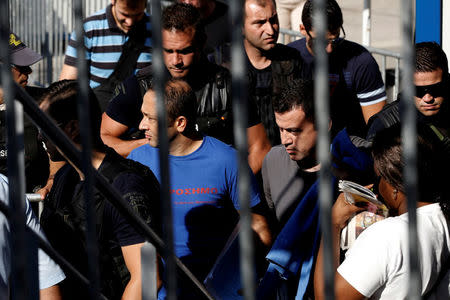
[[64, 222]]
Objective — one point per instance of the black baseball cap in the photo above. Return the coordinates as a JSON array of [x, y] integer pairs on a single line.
[[21, 55]]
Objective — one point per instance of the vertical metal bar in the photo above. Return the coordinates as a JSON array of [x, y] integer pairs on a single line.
[[240, 109], [15, 163], [366, 23], [159, 79], [321, 90], [409, 138], [149, 271], [383, 69], [84, 123], [397, 78]]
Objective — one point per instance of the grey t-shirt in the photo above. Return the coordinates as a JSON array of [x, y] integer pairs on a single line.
[[285, 183]]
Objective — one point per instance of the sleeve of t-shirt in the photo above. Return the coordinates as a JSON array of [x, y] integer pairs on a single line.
[[232, 178], [367, 264], [266, 185], [132, 189], [367, 79], [49, 272], [71, 50], [125, 107]]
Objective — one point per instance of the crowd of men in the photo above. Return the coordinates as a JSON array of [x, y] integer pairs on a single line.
[[203, 165]]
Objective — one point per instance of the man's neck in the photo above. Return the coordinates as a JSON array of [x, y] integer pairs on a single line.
[[184, 145], [309, 165], [96, 160], [257, 58]]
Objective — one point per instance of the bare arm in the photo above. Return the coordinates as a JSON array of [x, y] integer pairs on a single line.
[[261, 227], [132, 257], [68, 72], [342, 211], [370, 110], [258, 146], [50, 293], [110, 133], [54, 166]]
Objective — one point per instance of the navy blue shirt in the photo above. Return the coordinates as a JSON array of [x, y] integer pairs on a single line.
[[355, 80]]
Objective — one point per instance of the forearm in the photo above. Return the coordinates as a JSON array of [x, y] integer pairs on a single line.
[[262, 229], [133, 290], [54, 166], [319, 280], [50, 293], [123, 147]]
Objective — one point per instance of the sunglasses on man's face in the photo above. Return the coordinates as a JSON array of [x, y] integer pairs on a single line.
[[22, 69], [435, 90]]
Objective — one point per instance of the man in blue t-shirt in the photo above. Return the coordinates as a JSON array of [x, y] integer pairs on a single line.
[[203, 183], [356, 87]]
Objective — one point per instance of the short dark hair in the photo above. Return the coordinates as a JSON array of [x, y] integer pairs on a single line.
[[431, 160], [430, 57], [261, 3], [298, 93], [180, 100], [60, 103], [333, 12], [182, 16]]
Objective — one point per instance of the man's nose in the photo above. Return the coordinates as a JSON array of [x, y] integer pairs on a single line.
[[285, 138], [428, 98], [177, 59], [270, 30]]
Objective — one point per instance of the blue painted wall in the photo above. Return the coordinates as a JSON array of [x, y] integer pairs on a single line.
[[428, 21]]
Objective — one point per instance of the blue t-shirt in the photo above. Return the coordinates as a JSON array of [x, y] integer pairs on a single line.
[[355, 80], [204, 194]]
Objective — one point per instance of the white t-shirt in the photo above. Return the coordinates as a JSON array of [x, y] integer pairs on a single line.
[[377, 265], [49, 272]]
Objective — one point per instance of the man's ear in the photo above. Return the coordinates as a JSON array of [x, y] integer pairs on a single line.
[[72, 129], [329, 125], [303, 30], [180, 123]]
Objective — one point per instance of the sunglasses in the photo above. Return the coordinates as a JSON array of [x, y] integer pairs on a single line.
[[333, 42], [22, 69], [435, 90]]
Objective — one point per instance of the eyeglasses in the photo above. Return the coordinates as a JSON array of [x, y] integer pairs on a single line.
[[333, 42], [435, 90]]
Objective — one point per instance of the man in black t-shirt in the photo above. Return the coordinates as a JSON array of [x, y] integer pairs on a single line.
[[183, 38], [270, 65], [64, 215]]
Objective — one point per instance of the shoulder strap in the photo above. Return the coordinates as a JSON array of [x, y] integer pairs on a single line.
[[130, 54]]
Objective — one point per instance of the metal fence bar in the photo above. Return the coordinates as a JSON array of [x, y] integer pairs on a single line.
[[240, 117], [322, 111], [383, 69], [149, 271], [15, 164], [86, 155], [409, 145], [166, 201], [397, 78], [366, 23]]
